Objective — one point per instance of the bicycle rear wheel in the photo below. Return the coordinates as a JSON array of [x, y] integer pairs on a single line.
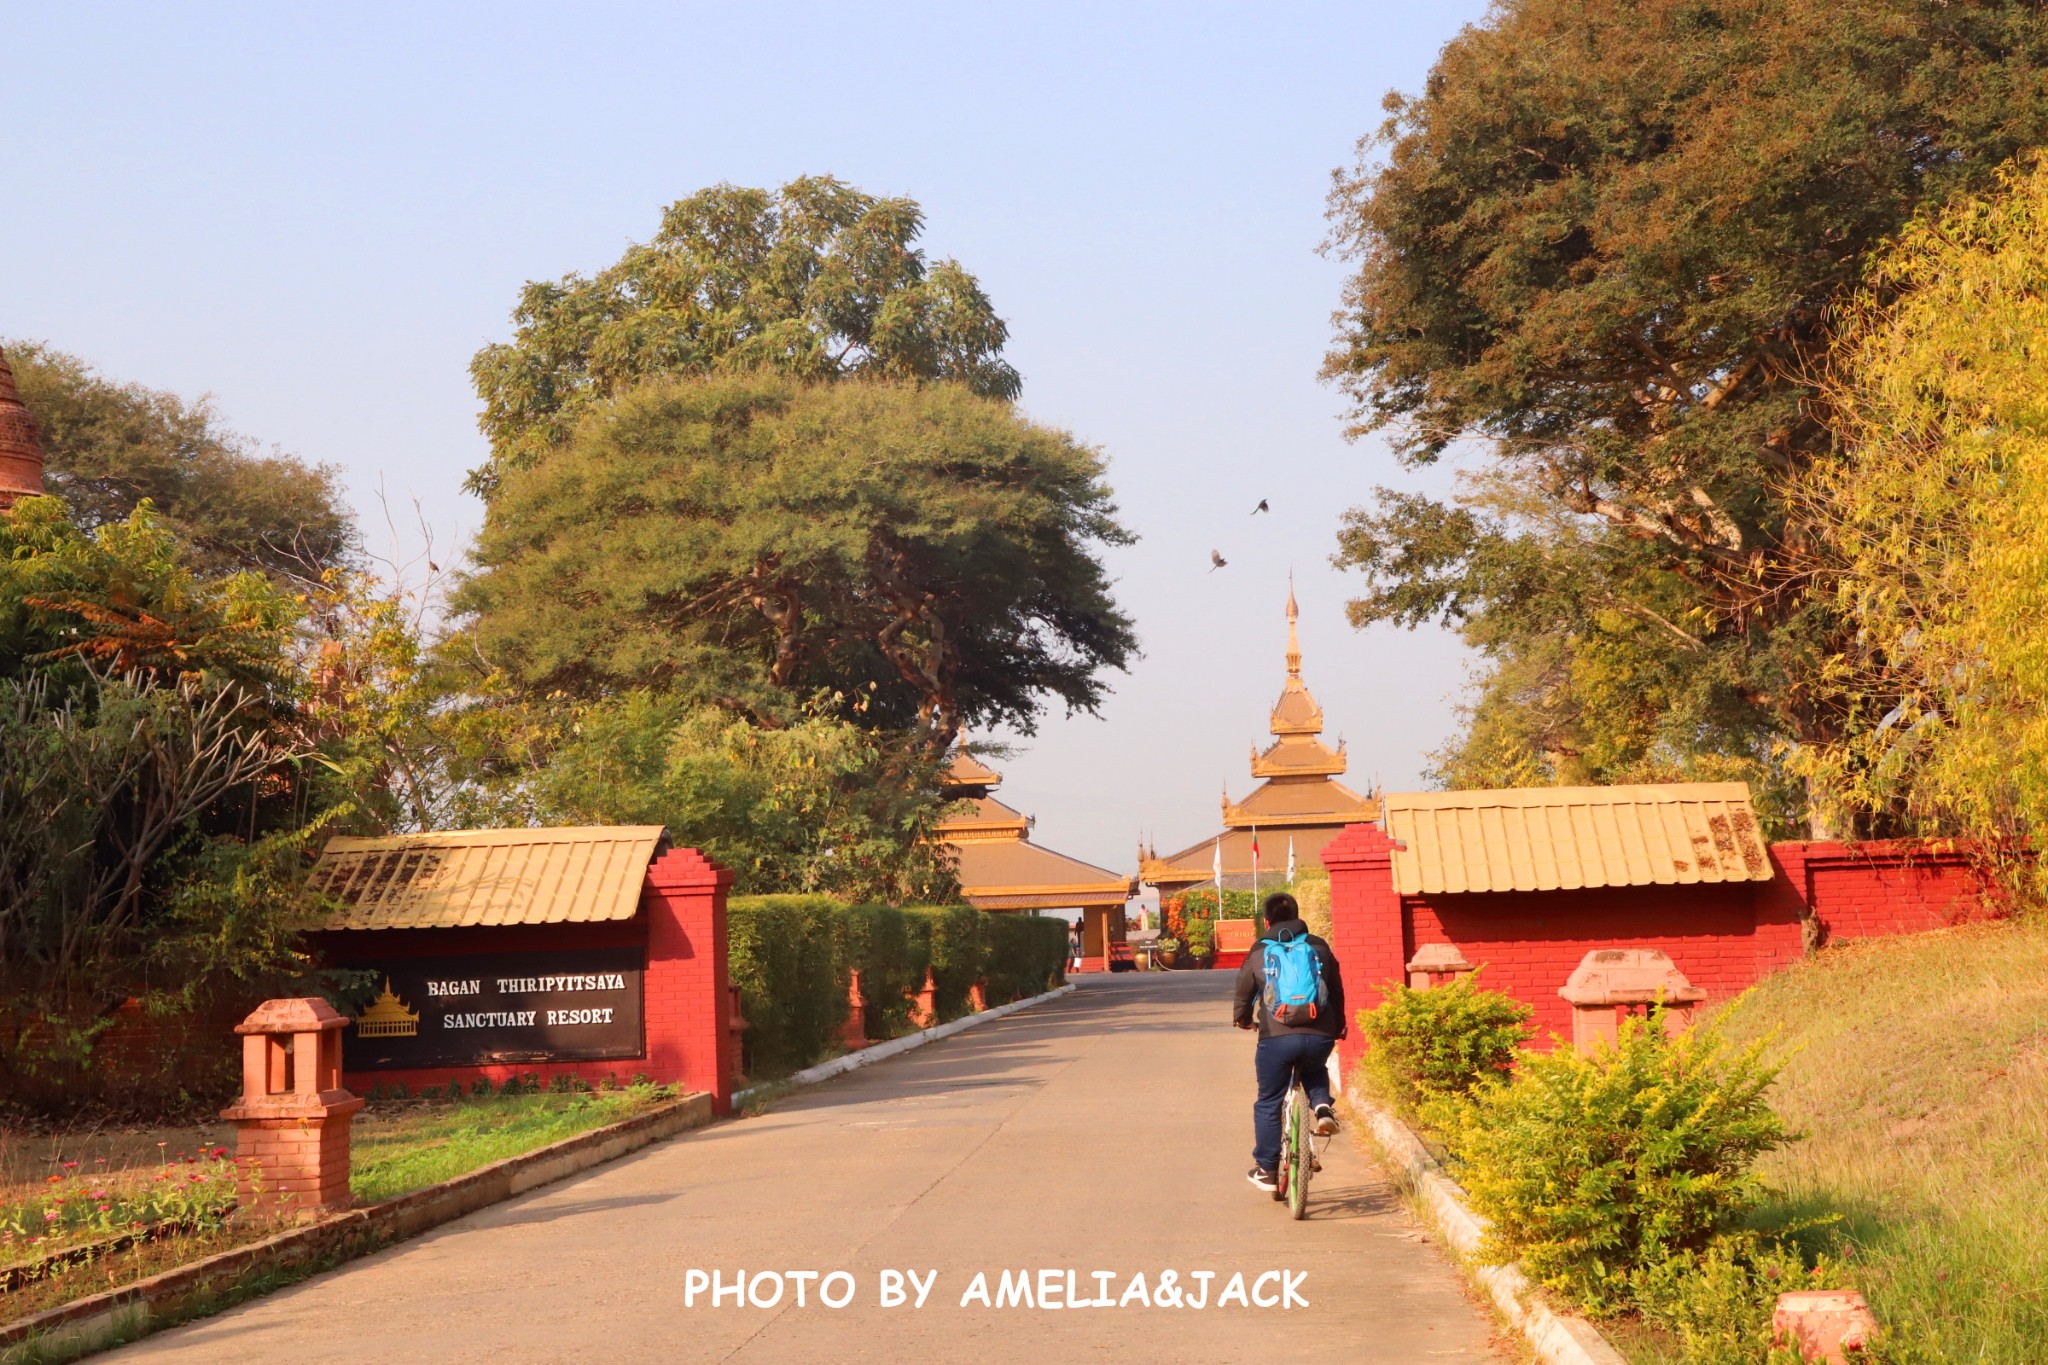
[[1300, 1153]]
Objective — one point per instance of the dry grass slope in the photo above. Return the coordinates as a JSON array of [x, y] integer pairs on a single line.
[[1919, 1069]]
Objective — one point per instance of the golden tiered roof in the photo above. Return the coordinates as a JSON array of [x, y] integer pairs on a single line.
[[998, 865], [1296, 800]]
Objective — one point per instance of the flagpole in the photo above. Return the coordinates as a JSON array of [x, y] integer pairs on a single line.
[[1219, 878]]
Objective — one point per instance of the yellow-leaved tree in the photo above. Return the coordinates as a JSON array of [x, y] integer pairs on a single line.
[[1935, 517]]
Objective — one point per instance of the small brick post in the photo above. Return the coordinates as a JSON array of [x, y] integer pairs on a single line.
[[1613, 983], [977, 997], [736, 1025], [924, 1007], [292, 1122], [853, 1034], [1825, 1324], [690, 1042], [1367, 931], [1436, 964]]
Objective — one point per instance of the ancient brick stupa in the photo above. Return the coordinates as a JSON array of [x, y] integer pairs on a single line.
[[21, 450]]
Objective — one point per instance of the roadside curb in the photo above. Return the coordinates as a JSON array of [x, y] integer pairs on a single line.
[[1557, 1338], [121, 1315], [882, 1052]]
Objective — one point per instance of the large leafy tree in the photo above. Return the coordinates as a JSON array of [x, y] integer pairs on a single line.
[[1603, 244], [819, 804], [156, 787], [111, 445], [1932, 524], [816, 280], [920, 555]]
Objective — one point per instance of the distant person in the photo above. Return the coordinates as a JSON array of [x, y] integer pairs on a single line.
[[1074, 944], [1291, 990]]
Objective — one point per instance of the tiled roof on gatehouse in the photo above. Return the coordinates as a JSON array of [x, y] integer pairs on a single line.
[[1565, 838], [464, 877]]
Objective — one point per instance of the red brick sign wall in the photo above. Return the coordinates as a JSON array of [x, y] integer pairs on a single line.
[[681, 930]]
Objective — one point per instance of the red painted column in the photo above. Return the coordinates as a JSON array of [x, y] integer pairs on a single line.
[[1367, 933], [687, 1003]]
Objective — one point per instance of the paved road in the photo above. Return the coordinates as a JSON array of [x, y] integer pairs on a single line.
[[1108, 1130]]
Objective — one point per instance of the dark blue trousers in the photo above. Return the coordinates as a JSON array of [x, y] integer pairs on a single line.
[[1280, 1060]]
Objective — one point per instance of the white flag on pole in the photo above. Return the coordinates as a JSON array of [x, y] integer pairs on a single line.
[[1290, 859]]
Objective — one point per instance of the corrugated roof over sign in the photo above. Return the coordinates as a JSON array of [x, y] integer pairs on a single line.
[[1563, 838], [487, 876]]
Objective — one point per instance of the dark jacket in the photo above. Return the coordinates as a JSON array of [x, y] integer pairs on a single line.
[[1251, 986]]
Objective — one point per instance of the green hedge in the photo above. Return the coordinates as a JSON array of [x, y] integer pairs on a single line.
[[792, 957]]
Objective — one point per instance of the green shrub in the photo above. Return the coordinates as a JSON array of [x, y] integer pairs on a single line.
[[1596, 1169], [891, 950], [1027, 955], [792, 958], [959, 952], [1200, 936], [779, 952], [1440, 1043]]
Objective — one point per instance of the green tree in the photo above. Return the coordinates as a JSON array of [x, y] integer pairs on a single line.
[[156, 790], [922, 556], [1604, 242], [1933, 524], [817, 805], [815, 280], [111, 445]]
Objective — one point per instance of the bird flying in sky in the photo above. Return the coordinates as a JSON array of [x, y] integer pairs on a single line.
[[1261, 507], [1216, 560]]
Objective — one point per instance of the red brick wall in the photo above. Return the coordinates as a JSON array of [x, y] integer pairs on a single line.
[[1723, 937], [1528, 942], [1898, 887], [681, 924]]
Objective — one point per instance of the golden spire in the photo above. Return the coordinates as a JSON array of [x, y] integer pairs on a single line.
[[1293, 635]]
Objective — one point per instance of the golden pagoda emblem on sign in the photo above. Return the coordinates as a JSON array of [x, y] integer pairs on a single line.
[[387, 1017]]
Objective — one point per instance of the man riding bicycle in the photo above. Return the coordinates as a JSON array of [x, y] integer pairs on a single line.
[[1298, 1042]]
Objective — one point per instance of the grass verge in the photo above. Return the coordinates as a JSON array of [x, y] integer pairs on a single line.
[[1918, 1067], [397, 1147]]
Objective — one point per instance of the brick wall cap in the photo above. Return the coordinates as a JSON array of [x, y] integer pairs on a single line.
[[680, 867], [308, 1015], [289, 1105], [1439, 957], [1358, 845], [1628, 976]]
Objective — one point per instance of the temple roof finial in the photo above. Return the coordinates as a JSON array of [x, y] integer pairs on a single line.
[[1293, 634]]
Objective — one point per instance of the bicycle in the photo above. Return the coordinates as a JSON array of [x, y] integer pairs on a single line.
[[1300, 1158]]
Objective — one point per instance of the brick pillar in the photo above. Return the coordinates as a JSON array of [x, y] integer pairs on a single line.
[[292, 1122], [853, 1034], [689, 1038], [924, 1006], [1367, 931]]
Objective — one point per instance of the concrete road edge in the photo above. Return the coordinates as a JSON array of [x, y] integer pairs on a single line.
[[1557, 1338]]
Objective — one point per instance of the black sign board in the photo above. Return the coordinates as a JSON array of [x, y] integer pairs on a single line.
[[486, 1009]]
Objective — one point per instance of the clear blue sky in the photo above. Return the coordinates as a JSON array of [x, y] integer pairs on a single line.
[[319, 214]]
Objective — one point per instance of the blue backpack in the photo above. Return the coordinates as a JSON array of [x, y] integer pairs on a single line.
[[1295, 993]]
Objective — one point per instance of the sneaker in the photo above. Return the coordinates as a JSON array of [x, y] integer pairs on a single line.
[[1326, 1120], [1264, 1179]]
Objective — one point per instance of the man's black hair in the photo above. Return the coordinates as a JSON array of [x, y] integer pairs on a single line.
[[1281, 907]]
